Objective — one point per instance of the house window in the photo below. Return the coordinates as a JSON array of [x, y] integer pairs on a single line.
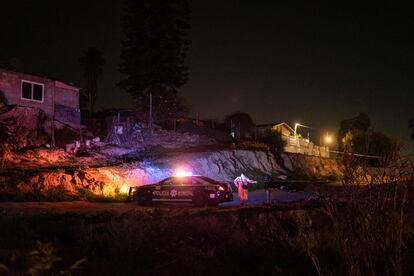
[[32, 91]]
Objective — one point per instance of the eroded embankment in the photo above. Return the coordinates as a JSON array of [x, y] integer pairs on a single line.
[[103, 180]]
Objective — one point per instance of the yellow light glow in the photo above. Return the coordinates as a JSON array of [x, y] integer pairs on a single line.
[[124, 189], [328, 139]]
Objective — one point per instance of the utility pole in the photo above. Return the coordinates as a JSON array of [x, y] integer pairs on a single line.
[[53, 131], [255, 133], [150, 113], [53, 142]]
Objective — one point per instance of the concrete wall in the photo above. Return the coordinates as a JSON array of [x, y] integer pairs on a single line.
[[69, 116], [66, 95], [304, 146], [67, 104]]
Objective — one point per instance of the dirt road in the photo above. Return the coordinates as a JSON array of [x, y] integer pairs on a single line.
[[63, 207], [255, 198]]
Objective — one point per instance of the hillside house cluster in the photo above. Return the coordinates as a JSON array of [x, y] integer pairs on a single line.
[[294, 143]]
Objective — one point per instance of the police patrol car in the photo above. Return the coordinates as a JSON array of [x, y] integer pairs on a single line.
[[193, 189]]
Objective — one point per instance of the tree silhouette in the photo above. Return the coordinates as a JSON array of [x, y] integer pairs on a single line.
[[356, 128], [357, 136], [241, 123], [92, 63], [154, 53], [3, 98], [411, 125]]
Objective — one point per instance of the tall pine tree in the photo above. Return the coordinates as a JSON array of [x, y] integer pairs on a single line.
[[92, 63], [154, 53]]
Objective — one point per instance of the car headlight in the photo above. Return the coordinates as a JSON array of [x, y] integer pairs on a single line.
[[132, 190]]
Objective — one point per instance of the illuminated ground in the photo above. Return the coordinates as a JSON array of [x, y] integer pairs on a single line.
[[277, 196], [255, 198]]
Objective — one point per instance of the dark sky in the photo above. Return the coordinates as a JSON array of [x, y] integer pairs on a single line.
[[294, 62]]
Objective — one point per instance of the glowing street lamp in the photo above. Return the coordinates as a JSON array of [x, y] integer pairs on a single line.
[[328, 139], [296, 127]]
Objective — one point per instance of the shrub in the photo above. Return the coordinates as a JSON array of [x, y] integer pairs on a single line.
[[333, 177], [274, 140], [42, 260], [20, 138], [251, 145], [370, 227], [65, 136]]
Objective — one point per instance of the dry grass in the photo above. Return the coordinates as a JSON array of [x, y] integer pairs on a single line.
[[370, 227]]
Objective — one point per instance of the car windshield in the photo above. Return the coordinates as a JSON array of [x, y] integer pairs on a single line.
[[187, 180], [209, 180]]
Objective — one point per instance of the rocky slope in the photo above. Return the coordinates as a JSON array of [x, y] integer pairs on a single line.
[[49, 171]]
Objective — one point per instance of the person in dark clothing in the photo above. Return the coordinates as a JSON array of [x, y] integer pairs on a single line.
[[269, 188]]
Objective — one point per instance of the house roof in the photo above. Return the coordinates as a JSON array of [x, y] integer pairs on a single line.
[[38, 75], [276, 124], [194, 119], [269, 124]]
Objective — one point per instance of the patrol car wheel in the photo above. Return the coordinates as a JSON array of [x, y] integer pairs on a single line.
[[144, 201]]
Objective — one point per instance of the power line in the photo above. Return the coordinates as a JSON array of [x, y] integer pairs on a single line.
[[355, 154]]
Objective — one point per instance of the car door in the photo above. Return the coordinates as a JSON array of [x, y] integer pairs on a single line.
[[176, 189]]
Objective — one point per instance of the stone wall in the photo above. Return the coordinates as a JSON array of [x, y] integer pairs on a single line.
[[304, 146]]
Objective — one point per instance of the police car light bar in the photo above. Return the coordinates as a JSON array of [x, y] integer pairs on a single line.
[[182, 173]]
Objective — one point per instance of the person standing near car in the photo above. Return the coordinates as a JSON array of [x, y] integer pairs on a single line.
[[269, 188], [242, 184]]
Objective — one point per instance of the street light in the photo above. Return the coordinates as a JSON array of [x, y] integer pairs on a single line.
[[328, 139], [296, 127]]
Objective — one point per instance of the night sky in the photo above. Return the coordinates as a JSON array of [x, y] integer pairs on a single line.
[[293, 62]]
